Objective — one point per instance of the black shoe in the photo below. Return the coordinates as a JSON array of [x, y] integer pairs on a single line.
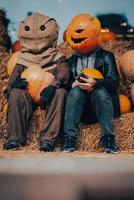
[[69, 144], [46, 146], [12, 145], [108, 144]]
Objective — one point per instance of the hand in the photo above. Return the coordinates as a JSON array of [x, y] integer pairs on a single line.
[[88, 85], [47, 94], [20, 83], [75, 83]]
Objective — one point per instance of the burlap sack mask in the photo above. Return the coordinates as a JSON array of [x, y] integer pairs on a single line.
[[38, 38]]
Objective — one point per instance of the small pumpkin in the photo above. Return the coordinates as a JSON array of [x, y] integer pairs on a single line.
[[126, 65], [91, 72], [16, 46], [38, 79], [125, 104], [107, 35], [11, 63], [84, 33]]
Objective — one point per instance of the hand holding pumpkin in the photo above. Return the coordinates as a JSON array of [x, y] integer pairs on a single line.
[[75, 83], [88, 85], [20, 83]]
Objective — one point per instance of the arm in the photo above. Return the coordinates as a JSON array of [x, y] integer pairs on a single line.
[[15, 74], [61, 74], [111, 75]]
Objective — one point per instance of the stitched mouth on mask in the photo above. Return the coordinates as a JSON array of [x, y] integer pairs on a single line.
[[78, 40], [38, 38]]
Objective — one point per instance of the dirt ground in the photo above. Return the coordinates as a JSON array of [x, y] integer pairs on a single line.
[[36, 153]]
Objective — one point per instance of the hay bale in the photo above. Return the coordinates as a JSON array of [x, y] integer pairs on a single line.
[[89, 136]]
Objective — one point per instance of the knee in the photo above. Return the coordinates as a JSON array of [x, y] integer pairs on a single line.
[[100, 95], [60, 93], [76, 93]]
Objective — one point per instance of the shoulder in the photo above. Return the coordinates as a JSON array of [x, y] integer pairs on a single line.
[[106, 52]]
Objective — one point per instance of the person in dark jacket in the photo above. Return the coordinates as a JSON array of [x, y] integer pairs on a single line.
[[38, 37], [94, 100]]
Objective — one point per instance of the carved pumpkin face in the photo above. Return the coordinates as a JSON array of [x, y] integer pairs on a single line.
[[84, 33]]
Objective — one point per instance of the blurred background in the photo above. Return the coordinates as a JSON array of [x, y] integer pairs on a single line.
[[115, 15]]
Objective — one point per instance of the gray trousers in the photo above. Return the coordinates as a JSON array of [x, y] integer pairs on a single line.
[[20, 110]]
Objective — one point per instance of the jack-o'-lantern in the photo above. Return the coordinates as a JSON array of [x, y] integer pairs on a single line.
[[84, 33]]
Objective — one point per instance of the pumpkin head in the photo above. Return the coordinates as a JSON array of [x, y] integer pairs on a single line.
[[16, 46], [38, 79], [11, 63], [126, 65], [125, 104], [84, 33], [94, 73]]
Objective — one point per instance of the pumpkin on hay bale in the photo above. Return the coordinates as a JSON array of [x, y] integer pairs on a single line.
[[127, 65], [107, 35], [16, 46], [11, 63]]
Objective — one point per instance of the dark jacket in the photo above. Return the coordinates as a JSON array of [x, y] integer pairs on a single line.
[[61, 73], [105, 63]]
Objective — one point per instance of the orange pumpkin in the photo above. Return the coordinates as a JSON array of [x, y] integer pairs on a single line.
[[132, 93], [11, 63], [5, 107], [94, 73], [38, 79], [84, 33], [107, 35], [16, 46], [126, 65], [125, 104]]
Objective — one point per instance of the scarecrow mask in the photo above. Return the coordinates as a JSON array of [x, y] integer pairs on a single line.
[[38, 32]]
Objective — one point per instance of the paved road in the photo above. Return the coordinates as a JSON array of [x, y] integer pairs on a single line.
[[67, 177], [63, 163]]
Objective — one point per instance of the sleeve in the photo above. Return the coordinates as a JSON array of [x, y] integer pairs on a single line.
[[111, 75], [61, 73], [15, 74]]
